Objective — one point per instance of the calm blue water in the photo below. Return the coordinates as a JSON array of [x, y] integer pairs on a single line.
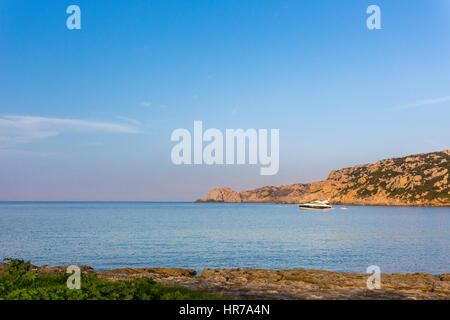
[[189, 235]]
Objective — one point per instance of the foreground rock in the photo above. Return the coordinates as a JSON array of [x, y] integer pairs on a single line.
[[418, 180], [283, 284]]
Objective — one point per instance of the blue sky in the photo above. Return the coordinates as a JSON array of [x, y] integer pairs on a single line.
[[87, 114]]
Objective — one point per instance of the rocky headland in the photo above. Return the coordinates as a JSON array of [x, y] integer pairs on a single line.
[[416, 180], [280, 284]]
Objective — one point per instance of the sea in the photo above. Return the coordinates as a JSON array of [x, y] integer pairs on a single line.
[[108, 235]]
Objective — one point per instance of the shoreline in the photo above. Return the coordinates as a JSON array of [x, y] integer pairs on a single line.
[[227, 202], [334, 203], [294, 284]]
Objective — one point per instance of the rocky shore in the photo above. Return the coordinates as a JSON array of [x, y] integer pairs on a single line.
[[417, 180], [281, 284]]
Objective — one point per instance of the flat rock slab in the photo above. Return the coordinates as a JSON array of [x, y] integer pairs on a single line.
[[319, 284]]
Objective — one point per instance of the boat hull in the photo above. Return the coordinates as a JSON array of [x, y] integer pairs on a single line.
[[308, 207]]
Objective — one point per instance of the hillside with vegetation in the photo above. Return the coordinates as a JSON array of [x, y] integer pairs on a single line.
[[416, 180]]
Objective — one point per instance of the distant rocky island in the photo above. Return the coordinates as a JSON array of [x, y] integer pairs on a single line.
[[416, 180]]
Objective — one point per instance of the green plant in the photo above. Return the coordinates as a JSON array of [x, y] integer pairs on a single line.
[[18, 283]]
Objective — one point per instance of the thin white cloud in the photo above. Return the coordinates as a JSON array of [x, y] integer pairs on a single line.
[[437, 145], [426, 102], [146, 103], [15, 152], [24, 129], [130, 120]]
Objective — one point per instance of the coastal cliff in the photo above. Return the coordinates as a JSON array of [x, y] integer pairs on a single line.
[[416, 180]]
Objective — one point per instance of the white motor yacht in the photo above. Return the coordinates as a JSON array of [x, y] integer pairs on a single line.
[[316, 204]]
